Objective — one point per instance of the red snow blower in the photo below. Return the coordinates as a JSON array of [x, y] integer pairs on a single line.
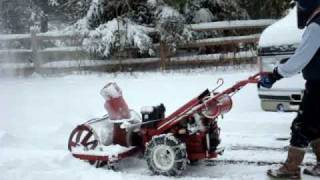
[[169, 143]]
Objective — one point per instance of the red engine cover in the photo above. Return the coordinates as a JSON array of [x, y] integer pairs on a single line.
[[115, 104], [218, 107]]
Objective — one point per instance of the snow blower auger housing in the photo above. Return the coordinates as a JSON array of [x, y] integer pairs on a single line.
[[189, 134]]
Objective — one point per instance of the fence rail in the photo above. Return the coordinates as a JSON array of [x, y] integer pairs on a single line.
[[231, 25], [42, 58], [222, 41]]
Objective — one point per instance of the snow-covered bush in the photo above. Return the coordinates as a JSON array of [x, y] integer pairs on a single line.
[[258, 9], [53, 3], [210, 10], [172, 27], [202, 15], [15, 15], [103, 37], [116, 35], [112, 25]]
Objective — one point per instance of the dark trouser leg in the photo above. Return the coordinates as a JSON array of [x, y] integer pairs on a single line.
[[306, 126], [298, 137]]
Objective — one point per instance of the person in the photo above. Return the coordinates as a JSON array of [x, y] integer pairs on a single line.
[[305, 129]]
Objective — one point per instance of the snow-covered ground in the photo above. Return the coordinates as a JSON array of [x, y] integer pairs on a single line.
[[37, 114]]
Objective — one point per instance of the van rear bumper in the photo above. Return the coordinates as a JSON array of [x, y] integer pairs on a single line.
[[287, 100]]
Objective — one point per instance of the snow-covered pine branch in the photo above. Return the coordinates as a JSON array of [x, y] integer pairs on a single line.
[[172, 27], [53, 3], [117, 34]]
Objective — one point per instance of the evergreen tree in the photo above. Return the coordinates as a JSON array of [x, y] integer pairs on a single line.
[[110, 25], [258, 9], [70, 10], [220, 9], [15, 15]]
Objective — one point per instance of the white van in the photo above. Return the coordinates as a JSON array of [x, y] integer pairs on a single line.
[[277, 43]]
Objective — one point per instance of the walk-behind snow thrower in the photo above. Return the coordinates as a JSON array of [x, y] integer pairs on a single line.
[[189, 134]]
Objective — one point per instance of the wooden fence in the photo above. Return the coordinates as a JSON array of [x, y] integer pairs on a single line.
[[74, 57]]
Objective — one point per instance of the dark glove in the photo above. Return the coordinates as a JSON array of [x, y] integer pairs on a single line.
[[268, 79]]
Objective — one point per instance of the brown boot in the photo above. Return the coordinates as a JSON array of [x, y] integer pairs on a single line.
[[315, 170], [290, 169]]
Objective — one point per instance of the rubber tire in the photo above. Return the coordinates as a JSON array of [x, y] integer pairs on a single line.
[[179, 151]]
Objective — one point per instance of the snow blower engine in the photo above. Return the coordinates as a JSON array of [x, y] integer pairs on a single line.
[[189, 134]]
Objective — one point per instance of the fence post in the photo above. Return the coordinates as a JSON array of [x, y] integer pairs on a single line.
[[35, 49], [163, 55]]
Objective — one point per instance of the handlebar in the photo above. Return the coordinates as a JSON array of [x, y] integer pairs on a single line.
[[255, 78], [239, 85]]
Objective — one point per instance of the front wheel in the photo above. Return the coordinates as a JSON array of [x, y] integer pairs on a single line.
[[84, 136], [166, 155]]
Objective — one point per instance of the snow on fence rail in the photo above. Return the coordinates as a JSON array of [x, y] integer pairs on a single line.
[[42, 36], [36, 54], [176, 60], [13, 37], [57, 57], [133, 64], [222, 41], [227, 25]]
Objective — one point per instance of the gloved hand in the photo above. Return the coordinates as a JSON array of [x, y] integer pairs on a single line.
[[268, 79]]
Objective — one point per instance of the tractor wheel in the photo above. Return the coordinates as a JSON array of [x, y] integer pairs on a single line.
[[166, 155], [85, 137]]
